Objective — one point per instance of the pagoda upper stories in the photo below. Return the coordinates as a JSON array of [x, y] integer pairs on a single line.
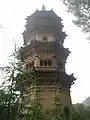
[[43, 26], [44, 50]]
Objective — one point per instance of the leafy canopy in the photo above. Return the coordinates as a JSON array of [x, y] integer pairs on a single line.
[[81, 9]]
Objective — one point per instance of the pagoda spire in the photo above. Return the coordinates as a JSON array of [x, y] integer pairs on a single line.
[[43, 7]]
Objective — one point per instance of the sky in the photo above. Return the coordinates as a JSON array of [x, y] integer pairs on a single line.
[[12, 17]]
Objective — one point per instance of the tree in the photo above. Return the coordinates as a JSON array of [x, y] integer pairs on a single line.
[[35, 111], [8, 111], [81, 9], [9, 95], [59, 110], [12, 90], [80, 112]]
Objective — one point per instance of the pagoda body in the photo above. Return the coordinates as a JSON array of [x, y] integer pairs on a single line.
[[44, 51]]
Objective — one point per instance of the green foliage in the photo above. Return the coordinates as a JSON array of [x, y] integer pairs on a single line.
[[34, 112], [59, 110], [9, 95], [35, 109], [27, 77], [8, 106], [80, 112], [12, 89], [81, 9]]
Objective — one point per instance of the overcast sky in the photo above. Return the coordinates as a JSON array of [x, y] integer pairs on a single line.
[[12, 17]]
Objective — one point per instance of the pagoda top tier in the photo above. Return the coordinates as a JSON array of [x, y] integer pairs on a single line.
[[45, 22]]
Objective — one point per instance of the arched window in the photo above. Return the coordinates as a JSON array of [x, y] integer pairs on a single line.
[[49, 63], [44, 38], [41, 63], [45, 62]]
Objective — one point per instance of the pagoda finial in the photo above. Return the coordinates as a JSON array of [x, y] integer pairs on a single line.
[[43, 7], [36, 9], [52, 9]]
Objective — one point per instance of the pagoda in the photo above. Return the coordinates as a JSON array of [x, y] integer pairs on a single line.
[[44, 51]]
